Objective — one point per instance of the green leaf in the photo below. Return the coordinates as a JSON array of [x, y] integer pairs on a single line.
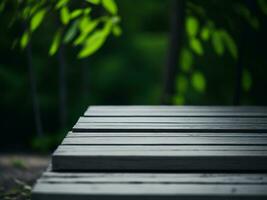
[[107, 27], [198, 82], [230, 44], [263, 6], [86, 27], [186, 60], [87, 11], [37, 19], [196, 46], [192, 26], [116, 30], [71, 32], [61, 3], [246, 80], [55, 44], [93, 43], [93, 1], [181, 84], [205, 33], [217, 42], [110, 6], [247, 15], [76, 13], [24, 39], [64, 15], [178, 99]]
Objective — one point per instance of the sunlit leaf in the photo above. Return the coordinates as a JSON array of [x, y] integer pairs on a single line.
[[24, 39], [37, 19], [196, 46], [230, 44], [84, 22], [192, 26], [55, 43], [76, 13], [107, 27], [181, 84], [110, 6], [246, 80], [72, 31], [93, 43], [87, 11], [217, 42], [93, 1], [86, 27], [263, 6], [116, 30], [64, 15], [186, 60], [179, 99], [61, 3], [205, 33], [198, 81]]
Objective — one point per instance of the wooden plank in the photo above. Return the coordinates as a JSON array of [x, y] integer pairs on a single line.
[[161, 127], [147, 191], [183, 111], [174, 114], [165, 134], [69, 185], [112, 140], [193, 120], [183, 178], [178, 107], [160, 158]]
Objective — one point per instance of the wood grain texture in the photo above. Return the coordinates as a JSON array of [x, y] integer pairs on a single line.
[[165, 134], [182, 111], [67, 185], [112, 140], [161, 152], [184, 178], [67, 191], [160, 158], [178, 120], [161, 127]]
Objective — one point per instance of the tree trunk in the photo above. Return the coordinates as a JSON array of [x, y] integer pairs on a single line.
[[35, 101], [62, 87], [177, 19]]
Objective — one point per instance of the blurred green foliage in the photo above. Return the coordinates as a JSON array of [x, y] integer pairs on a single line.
[[214, 33], [77, 27], [128, 69]]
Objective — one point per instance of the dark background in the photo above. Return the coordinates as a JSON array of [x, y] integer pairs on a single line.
[[130, 69]]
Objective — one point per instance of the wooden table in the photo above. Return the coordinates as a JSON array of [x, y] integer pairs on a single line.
[[161, 152]]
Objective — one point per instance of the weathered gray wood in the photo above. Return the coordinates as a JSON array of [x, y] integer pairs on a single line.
[[159, 139], [162, 134], [181, 120], [160, 158], [70, 186], [112, 140], [161, 127], [186, 111], [178, 107], [183, 178], [78, 191]]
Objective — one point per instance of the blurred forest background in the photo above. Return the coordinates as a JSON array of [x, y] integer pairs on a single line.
[[187, 52]]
